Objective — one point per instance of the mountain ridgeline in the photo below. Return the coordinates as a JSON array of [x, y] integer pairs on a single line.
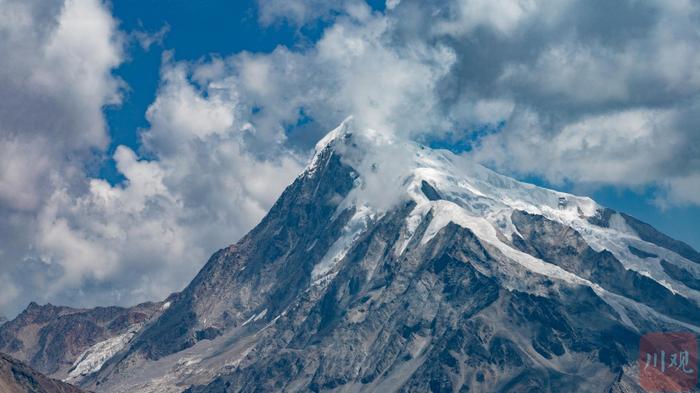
[[17, 377], [390, 267]]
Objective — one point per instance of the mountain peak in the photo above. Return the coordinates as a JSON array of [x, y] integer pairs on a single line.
[[336, 134], [362, 137], [354, 142], [391, 169]]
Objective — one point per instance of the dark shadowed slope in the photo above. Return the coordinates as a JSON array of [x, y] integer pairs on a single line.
[[51, 339], [17, 377]]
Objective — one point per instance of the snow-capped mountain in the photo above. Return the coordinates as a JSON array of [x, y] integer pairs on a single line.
[[388, 266]]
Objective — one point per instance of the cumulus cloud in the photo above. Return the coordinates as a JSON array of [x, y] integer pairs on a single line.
[[610, 100], [628, 148], [355, 68], [501, 16], [53, 86]]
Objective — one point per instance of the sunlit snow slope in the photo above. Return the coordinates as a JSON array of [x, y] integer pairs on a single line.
[[455, 189]]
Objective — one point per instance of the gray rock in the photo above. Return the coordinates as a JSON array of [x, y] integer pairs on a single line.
[[50, 338], [641, 253], [648, 233], [17, 377], [681, 274], [562, 246]]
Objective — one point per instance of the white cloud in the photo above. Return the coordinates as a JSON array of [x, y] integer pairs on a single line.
[[180, 108], [354, 68], [502, 16], [9, 291], [53, 88], [21, 168], [631, 148], [147, 39], [80, 55], [298, 12], [681, 190], [389, 88], [572, 71]]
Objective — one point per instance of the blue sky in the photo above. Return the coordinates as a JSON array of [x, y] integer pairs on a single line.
[[137, 144]]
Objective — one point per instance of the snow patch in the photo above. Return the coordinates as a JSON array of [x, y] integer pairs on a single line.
[[249, 320], [93, 358], [357, 224], [260, 316], [412, 222], [445, 212], [255, 317]]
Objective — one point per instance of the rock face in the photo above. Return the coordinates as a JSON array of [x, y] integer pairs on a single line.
[[17, 377], [390, 267], [51, 338]]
